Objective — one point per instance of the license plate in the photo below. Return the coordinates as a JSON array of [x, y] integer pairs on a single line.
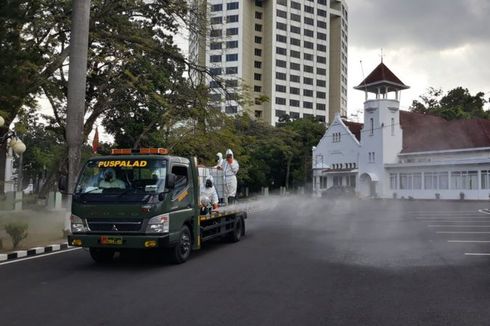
[[111, 240]]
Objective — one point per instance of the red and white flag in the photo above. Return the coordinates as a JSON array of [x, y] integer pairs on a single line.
[[95, 142]]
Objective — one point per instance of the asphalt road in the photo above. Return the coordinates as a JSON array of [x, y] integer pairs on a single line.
[[303, 262]]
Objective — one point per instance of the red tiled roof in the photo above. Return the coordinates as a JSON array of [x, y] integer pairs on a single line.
[[354, 127], [381, 75], [424, 132]]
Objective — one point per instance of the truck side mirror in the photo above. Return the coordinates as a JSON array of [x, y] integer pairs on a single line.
[[171, 181], [62, 183]]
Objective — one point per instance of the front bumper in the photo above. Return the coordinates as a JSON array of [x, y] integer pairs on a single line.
[[128, 241]]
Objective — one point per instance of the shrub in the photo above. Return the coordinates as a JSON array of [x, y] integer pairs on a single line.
[[17, 231]]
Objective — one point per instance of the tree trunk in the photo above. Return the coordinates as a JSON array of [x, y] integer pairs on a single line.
[[77, 80], [288, 169], [3, 162]]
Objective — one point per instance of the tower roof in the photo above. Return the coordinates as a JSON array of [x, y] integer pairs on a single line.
[[381, 80]]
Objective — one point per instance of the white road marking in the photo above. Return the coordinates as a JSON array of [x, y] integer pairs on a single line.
[[484, 211], [468, 241], [452, 218], [477, 254], [458, 226], [40, 256], [453, 221], [463, 232]]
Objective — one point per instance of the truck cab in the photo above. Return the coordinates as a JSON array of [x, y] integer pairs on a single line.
[[142, 199]]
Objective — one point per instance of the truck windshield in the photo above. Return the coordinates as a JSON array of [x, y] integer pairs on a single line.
[[122, 177]]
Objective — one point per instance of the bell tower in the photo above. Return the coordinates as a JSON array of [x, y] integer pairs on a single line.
[[381, 136]]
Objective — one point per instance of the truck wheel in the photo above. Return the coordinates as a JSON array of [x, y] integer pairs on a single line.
[[102, 255], [182, 250], [237, 232]]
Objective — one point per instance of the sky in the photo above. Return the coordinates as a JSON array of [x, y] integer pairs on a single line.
[[426, 43]]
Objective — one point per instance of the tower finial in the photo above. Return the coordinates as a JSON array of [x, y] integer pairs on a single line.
[[381, 55]]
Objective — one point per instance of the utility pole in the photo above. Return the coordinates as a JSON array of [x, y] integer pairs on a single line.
[[77, 79]]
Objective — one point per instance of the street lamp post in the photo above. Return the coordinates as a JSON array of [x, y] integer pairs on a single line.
[[17, 146]]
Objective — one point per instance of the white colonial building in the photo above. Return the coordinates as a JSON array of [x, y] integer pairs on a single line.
[[400, 154]]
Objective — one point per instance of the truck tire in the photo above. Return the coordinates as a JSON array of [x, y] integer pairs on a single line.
[[238, 228], [181, 252], [102, 255]]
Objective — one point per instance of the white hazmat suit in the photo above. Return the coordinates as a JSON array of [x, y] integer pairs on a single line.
[[219, 161], [209, 195], [230, 170]]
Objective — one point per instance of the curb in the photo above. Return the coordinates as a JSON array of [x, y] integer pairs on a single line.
[[33, 251]]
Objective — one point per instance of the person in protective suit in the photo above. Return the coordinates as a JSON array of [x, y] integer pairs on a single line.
[[208, 196], [111, 181], [219, 161], [230, 169]]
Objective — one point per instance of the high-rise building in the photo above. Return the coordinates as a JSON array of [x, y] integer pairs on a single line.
[[281, 56]]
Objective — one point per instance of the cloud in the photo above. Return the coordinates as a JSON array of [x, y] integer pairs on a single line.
[[429, 24]]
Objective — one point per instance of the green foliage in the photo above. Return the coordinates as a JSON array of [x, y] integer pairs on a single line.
[[458, 103], [17, 232]]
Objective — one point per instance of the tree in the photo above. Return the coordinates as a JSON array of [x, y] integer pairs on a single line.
[[458, 103]]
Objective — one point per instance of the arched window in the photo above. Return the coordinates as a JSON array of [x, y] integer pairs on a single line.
[[372, 125]]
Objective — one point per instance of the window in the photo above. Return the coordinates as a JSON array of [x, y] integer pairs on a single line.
[[308, 45], [464, 180], [258, 52], [294, 41], [295, 29], [281, 38], [281, 26], [280, 101], [294, 66], [294, 78], [309, 9], [321, 83], [180, 179], [232, 31], [307, 68], [257, 64], [308, 56], [295, 5], [215, 97], [215, 71], [215, 58], [294, 90], [214, 84], [322, 2], [257, 77], [393, 181], [231, 44], [295, 54], [280, 113], [417, 181], [280, 50], [294, 103], [406, 180], [281, 76], [309, 21], [336, 137], [294, 115], [257, 89], [281, 88], [282, 2], [321, 94], [321, 47], [231, 70], [232, 18], [321, 71], [231, 5], [321, 13], [321, 106], [232, 57], [485, 178], [281, 13], [371, 123], [231, 96], [258, 28], [308, 81], [321, 59], [320, 118], [296, 18], [258, 39], [372, 157], [307, 105], [281, 63], [258, 3], [323, 182], [216, 20], [231, 109], [216, 33], [308, 33], [258, 15], [321, 24], [215, 46], [258, 114], [231, 83], [215, 8], [308, 92], [321, 36]]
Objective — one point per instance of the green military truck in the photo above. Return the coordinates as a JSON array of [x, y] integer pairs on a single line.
[[145, 199]]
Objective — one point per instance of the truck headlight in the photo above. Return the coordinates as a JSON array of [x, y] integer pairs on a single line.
[[77, 224], [159, 224]]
